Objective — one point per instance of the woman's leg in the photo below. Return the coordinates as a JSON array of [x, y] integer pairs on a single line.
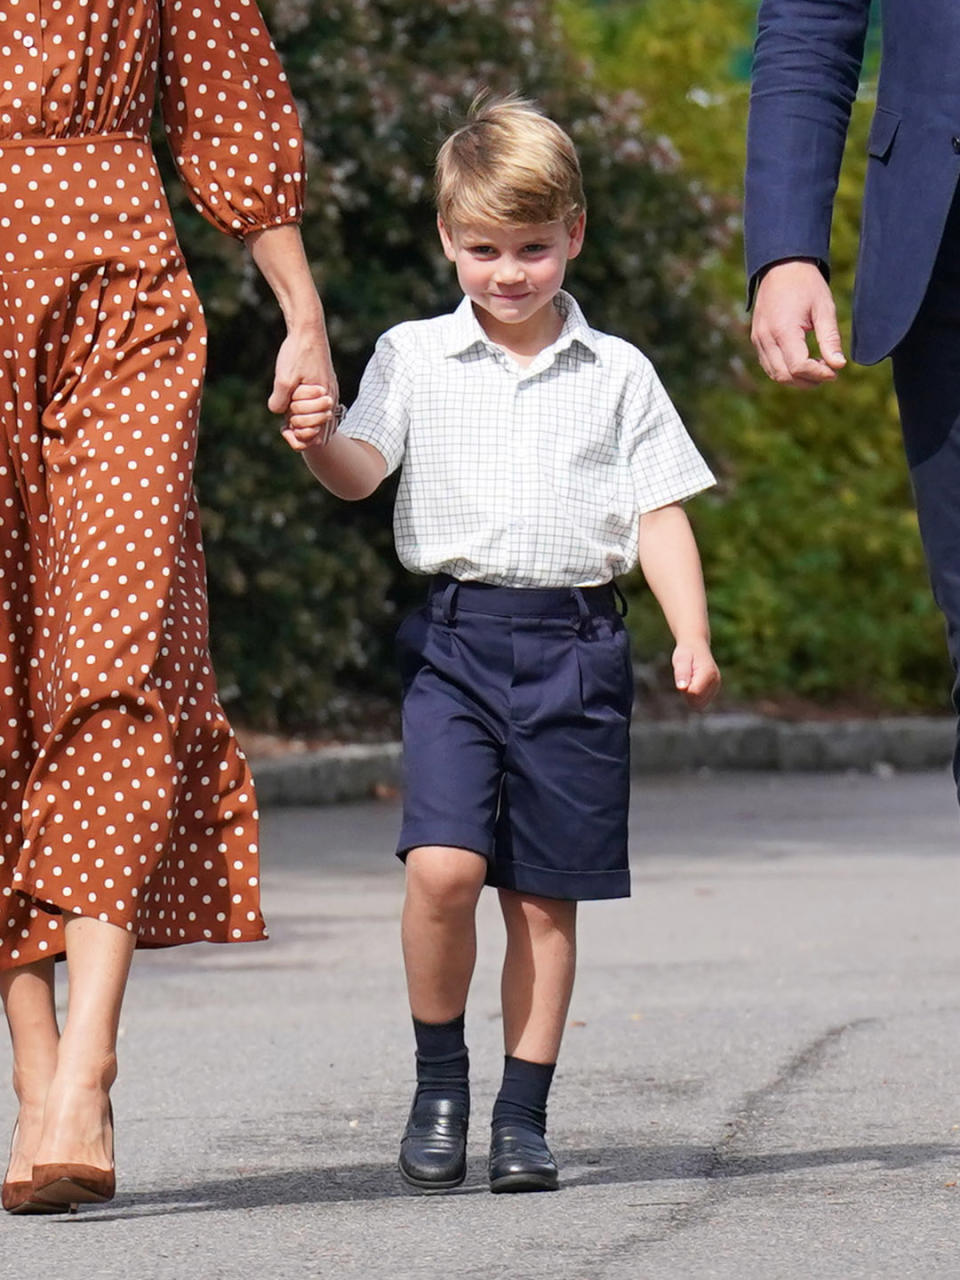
[[76, 1122], [538, 973], [28, 1002]]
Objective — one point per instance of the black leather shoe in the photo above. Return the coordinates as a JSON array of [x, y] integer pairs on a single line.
[[433, 1150], [520, 1160]]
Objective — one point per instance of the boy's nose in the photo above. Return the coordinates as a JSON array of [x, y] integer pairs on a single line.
[[510, 273]]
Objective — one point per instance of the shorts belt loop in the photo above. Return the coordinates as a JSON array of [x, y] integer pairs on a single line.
[[583, 610], [447, 605], [622, 607]]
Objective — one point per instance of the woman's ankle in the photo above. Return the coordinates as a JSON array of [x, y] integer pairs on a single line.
[[81, 1071], [31, 1085]]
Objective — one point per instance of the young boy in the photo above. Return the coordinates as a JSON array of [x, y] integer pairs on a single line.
[[539, 459]]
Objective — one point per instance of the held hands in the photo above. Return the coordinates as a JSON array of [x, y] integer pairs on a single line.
[[695, 673], [312, 417], [304, 366], [793, 299]]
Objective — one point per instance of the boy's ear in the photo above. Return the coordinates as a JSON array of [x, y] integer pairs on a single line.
[[446, 239], [576, 234]]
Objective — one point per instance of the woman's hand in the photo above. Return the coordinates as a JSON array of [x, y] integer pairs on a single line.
[[303, 359]]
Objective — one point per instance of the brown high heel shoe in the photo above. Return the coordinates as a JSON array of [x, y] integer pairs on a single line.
[[62, 1187], [17, 1197]]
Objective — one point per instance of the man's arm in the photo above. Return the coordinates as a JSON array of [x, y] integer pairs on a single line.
[[806, 72]]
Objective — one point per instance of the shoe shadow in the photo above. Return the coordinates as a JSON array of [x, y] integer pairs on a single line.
[[584, 1167]]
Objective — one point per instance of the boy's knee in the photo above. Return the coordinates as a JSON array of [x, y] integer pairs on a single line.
[[448, 879]]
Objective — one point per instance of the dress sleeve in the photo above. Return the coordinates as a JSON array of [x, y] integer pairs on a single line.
[[380, 415], [229, 114], [664, 463]]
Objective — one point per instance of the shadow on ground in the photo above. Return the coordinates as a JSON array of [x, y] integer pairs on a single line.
[[590, 1167]]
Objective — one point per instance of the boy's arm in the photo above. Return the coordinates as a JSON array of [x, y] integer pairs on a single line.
[[670, 563], [350, 469]]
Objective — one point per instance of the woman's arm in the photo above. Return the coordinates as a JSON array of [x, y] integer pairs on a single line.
[[671, 565], [304, 356]]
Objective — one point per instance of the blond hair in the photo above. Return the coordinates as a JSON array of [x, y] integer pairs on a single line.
[[508, 164]]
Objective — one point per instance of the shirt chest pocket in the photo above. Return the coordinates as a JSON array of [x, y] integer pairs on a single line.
[[590, 476], [585, 451]]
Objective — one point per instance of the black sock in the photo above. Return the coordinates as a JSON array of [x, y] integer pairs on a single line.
[[522, 1099], [443, 1065]]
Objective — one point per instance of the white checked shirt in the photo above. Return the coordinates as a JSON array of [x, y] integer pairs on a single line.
[[522, 477]]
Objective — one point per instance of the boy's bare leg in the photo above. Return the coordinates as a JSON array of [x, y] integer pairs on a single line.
[[439, 950], [439, 929], [536, 986], [538, 973]]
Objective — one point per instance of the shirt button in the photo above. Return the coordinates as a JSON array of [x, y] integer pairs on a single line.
[[27, 42], [955, 143]]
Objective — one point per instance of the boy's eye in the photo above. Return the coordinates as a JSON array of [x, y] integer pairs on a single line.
[[482, 250], [534, 248]]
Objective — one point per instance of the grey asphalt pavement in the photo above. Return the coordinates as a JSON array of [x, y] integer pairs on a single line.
[[759, 1078]]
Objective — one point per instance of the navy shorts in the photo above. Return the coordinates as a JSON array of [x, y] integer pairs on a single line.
[[516, 734]]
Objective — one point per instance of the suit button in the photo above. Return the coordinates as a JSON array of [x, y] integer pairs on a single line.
[[955, 143]]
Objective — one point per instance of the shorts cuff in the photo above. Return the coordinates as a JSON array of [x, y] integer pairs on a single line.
[[456, 835], [575, 886]]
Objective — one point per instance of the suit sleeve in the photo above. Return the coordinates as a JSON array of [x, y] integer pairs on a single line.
[[806, 71]]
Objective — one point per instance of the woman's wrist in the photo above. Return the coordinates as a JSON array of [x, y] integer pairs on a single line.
[[307, 320], [279, 254]]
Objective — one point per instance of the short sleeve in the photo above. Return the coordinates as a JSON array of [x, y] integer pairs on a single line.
[[380, 415], [229, 114], [665, 464]]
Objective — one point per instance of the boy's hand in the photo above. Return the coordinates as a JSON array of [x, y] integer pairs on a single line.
[[311, 417], [695, 673]]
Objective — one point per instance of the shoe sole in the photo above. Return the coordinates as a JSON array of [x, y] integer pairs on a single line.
[[35, 1207], [64, 1194], [523, 1182], [422, 1185]]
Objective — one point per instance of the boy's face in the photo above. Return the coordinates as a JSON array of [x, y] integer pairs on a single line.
[[511, 272]]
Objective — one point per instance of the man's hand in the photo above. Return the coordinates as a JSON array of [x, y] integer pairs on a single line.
[[793, 299], [695, 673], [310, 417]]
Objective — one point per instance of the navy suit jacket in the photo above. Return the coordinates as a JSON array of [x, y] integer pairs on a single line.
[[806, 70]]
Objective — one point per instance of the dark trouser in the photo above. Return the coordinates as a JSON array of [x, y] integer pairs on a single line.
[[926, 373]]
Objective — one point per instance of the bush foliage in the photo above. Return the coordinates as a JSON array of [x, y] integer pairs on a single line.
[[304, 589], [813, 562], [811, 550]]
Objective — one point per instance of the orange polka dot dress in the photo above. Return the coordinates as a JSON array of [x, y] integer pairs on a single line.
[[123, 794]]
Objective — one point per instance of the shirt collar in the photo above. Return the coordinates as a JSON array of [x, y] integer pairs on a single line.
[[466, 332]]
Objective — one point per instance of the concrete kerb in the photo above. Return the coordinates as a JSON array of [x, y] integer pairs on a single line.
[[720, 741]]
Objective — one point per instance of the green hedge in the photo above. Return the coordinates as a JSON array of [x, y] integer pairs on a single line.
[[815, 572], [304, 589], [817, 585]]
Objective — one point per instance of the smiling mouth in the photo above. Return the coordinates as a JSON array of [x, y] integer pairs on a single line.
[[512, 297]]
